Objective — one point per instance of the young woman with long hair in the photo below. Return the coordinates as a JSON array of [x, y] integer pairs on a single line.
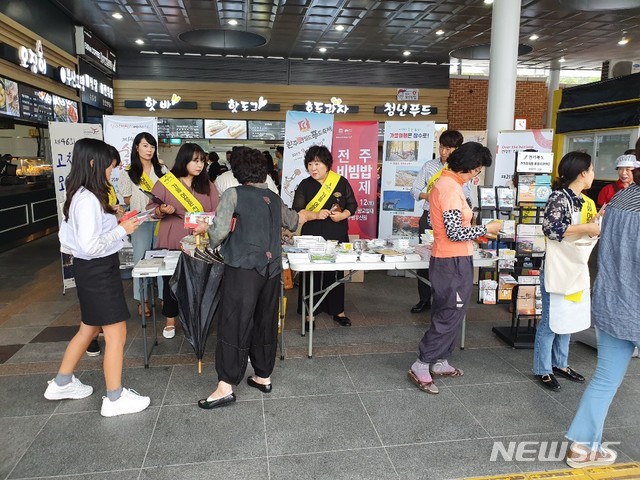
[[90, 232]]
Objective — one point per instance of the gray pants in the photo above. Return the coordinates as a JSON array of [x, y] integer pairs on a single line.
[[424, 290], [452, 284]]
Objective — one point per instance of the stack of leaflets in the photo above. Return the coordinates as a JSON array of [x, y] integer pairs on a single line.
[[530, 240], [346, 257], [487, 291], [149, 265], [534, 188]]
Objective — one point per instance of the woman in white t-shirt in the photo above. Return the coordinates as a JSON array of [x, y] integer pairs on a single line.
[[140, 176], [90, 232]]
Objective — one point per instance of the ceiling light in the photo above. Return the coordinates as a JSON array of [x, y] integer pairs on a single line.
[[534, 37], [233, 22], [322, 49], [440, 32], [340, 27], [140, 41], [488, 2], [406, 53], [562, 60], [117, 16], [623, 41]]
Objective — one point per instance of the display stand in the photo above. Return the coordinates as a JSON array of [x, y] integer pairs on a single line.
[[534, 186]]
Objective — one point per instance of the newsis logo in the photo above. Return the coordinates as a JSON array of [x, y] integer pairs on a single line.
[[534, 451]]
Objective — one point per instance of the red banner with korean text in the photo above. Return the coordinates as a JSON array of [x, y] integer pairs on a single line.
[[355, 157]]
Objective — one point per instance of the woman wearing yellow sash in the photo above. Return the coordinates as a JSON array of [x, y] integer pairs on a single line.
[[568, 212], [142, 174], [185, 189], [330, 200]]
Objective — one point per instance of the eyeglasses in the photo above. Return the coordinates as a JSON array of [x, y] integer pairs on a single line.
[[476, 171]]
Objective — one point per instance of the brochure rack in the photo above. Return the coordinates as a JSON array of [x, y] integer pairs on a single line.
[[533, 171]]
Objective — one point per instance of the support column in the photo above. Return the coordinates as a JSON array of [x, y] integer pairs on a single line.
[[554, 84], [503, 62]]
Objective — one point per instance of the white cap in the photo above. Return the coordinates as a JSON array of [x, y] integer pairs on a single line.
[[627, 161]]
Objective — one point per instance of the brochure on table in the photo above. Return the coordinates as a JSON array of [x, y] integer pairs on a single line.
[[407, 146], [63, 137]]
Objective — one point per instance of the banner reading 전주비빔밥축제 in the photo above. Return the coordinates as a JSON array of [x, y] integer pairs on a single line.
[[355, 157], [63, 137], [407, 146], [302, 130]]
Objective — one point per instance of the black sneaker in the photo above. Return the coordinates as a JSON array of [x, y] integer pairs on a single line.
[[94, 348]]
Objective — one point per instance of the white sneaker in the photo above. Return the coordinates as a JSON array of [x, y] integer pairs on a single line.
[[72, 391], [129, 402], [169, 332]]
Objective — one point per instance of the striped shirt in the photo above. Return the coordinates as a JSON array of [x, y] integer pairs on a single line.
[[428, 170]]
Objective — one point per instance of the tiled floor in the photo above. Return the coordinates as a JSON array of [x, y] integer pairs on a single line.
[[349, 412]]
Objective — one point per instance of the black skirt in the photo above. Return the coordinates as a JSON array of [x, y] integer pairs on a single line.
[[100, 291]]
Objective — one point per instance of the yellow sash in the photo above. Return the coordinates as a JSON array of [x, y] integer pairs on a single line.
[[145, 182], [589, 211], [326, 190], [178, 190], [113, 198], [435, 177]]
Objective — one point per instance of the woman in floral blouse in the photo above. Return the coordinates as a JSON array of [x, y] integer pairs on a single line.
[[562, 217]]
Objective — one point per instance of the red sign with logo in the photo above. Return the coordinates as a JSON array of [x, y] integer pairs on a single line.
[[355, 157]]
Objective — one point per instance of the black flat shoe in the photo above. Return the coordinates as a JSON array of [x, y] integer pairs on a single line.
[[263, 388], [569, 373], [421, 307], [344, 321], [549, 382], [220, 402]]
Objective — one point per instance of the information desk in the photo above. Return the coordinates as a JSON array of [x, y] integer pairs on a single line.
[[308, 266]]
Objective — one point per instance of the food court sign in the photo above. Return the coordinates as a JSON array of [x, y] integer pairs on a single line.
[[33, 60], [247, 106], [335, 105]]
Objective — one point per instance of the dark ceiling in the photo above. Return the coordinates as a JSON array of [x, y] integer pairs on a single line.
[[374, 30]]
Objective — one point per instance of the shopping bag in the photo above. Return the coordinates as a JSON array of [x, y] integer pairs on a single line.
[[566, 316]]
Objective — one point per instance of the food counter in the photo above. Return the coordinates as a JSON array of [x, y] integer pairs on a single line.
[[27, 212]]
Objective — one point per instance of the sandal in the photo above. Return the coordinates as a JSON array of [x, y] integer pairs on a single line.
[[147, 310], [169, 332], [455, 373], [428, 387]]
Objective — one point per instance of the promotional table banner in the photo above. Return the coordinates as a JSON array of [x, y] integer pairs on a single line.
[[120, 131], [407, 145], [63, 136], [508, 143], [302, 130], [355, 157]]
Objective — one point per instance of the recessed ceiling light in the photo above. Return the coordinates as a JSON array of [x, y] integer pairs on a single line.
[[322, 49], [440, 32], [562, 60], [406, 53], [233, 22], [140, 41], [340, 27], [623, 41], [117, 16], [534, 37]]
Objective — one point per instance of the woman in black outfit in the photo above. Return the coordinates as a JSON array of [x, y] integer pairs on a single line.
[[328, 220]]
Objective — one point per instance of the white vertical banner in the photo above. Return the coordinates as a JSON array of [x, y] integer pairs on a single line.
[[120, 131], [63, 136], [302, 130], [407, 146], [509, 142]]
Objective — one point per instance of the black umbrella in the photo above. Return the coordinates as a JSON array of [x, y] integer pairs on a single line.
[[196, 286]]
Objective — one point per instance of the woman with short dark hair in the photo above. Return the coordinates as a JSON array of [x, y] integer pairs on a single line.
[[185, 189], [328, 218], [248, 223], [90, 232], [451, 263]]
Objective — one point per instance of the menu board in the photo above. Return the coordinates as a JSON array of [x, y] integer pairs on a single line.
[[36, 105], [180, 128], [9, 98], [64, 110], [225, 129], [261, 130]]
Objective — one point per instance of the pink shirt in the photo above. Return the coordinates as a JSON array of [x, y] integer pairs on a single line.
[[172, 226]]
